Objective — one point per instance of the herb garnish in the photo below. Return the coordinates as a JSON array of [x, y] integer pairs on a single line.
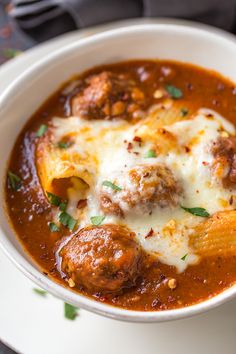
[[70, 311], [150, 153], [64, 218], [64, 144], [42, 130], [97, 220], [184, 111], [111, 185], [184, 257], [62, 206], [53, 227], [40, 292], [197, 211], [10, 53], [174, 92], [53, 199], [14, 181], [67, 220]]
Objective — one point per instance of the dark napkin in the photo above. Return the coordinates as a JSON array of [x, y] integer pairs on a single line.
[[44, 19], [5, 350]]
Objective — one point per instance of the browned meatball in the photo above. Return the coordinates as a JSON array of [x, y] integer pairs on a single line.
[[102, 258], [142, 188], [224, 150], [107, 96]]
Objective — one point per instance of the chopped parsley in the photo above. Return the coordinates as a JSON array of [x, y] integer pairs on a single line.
[[97, 220], [70, 311], [197, 211], [184, 111], [10, 53], [64, 144], [14, 181], [184, 257], [53, 199], [40, 292], [53, 227], [62, 206], [150, 153], [174, 92], [111, 185], [42, 130], [67, 220]]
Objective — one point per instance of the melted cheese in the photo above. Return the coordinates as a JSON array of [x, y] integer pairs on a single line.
[[189, 158]]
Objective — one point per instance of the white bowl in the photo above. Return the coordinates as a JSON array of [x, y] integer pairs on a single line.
[[204, 46]]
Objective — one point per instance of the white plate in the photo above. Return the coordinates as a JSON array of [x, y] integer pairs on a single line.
[[35, 325]]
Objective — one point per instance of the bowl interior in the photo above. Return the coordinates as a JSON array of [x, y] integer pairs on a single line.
[[32, 88]]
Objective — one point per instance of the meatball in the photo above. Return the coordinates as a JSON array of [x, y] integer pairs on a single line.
[[102, 258], [106, 96], [142, 188], [224, 150]]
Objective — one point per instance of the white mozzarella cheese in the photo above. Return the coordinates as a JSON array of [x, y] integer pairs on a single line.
[[108, 140]]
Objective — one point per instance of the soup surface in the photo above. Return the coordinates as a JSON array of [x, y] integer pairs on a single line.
[[122, 185]]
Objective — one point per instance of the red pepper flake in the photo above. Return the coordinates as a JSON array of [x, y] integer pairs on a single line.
[[150, 233], [171, 299], [189, 86], [136, 152], [220, 86], [130, 146], [125, 96], [162, 277], [156, 303], [137, 138], [163, 307], [146, 174], [205, 163], [82, 203], [187, 149], [215, 102], [162, 131], [101, 297]]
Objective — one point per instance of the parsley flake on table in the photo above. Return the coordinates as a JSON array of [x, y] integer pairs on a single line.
[[40, 292], [70, 311], [10, 53]]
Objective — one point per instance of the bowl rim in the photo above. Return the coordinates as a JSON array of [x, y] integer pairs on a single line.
[[34, 273]]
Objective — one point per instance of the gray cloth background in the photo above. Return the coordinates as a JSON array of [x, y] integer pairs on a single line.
[[45, 19]]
